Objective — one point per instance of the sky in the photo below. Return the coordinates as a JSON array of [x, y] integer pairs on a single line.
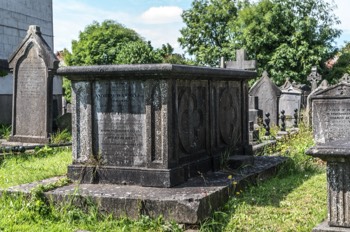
[[158, 21]]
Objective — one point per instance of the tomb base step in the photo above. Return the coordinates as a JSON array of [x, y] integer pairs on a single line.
[[188, 203], [324, 227]]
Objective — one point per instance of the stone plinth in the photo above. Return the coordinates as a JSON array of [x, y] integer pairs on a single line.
[[337, 156], [155, 125]]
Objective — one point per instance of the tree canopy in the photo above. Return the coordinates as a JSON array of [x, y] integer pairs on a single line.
[[286, 37], [338, 65], [111, 43], [98, 43]]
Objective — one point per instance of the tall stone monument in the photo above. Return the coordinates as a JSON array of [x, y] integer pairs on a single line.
[[33, 65]]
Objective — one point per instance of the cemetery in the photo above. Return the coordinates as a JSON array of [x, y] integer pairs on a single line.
[[159, 146]]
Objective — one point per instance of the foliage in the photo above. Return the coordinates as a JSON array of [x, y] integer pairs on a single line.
[[98, 44], [3, 73], [67, 89], [286, 37], [61, 137], [5, 131], [341, 66], [168, 56], [206, 35], [136, 53]]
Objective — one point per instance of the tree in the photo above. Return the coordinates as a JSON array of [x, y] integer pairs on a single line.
[[137, 53], [100, 43], [168, 56], [338, 65], [286, 37], [206, 35]]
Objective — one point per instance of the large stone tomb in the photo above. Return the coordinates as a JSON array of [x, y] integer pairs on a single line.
[[155, 125], [331, 125], [33, 65]]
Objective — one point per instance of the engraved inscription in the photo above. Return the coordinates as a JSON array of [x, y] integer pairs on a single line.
[[31, 94], [119, 122], [332, 120]]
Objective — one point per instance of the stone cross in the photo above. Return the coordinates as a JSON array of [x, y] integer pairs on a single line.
[[241, 61], [314, 77]]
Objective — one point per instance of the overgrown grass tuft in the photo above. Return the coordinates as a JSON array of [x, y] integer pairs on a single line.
[[61, 137], [5, 131]]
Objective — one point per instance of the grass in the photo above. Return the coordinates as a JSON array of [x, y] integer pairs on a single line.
[[61, 137], [5, 131], [25, 168], [37, 214], [294, 200]]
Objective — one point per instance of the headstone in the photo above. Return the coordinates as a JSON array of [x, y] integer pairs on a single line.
[[290, 100], [64, 122], [268, 94], [331, 113], [155, 125], [331, 127], [255, 114], [314, 77], [241, 61], [324, 85], [33, 65]]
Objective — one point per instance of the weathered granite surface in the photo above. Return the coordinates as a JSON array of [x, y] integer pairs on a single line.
[[33, 65], [155, 125]]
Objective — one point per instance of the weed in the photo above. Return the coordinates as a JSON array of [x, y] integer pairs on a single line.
[[5, 131], [61, 137]]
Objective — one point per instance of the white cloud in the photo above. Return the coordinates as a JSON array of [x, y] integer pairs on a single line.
[[71, 17], [162, 15]]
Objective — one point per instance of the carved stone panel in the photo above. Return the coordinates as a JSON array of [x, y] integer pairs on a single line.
[[227, 114], [157, 118], [192, 116]]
